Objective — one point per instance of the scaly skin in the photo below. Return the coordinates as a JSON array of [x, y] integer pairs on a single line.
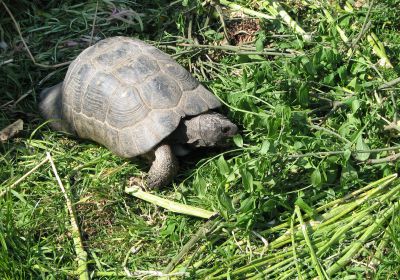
[[163, 168]]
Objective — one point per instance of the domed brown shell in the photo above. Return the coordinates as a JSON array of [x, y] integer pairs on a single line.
[[128, 95]]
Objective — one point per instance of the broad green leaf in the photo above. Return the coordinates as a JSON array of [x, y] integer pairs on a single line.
[[247, 180], [260, 41], [225, 203], [316, 179], [348, 173], [222, 166], [200, 186], [304, 206], [265, 147], [259, 45], [347, 155], [297, 145], [329, 79], [349, 101], [342, 72], [308, 65], [362, 146], [331, 175], [21, 198], [247, 204], [353, 83], [238, 140], [302, 94], [355, 105], [330, 169]]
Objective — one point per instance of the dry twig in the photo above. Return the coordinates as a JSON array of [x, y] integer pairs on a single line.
[[390, 158], [389, 84], [13, 185], [93, 24], [11, 130]]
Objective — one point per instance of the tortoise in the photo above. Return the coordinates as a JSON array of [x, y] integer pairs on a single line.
[[136, 100]]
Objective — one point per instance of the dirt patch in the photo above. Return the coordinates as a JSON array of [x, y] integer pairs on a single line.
[[94, 215], [243, 31]]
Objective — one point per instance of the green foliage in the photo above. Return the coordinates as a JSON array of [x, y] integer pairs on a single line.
[[314, 128]]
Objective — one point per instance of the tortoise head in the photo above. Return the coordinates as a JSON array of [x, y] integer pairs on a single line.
[[209, 129]]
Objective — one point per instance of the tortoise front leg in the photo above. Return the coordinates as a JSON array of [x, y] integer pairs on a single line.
[[164, 167]]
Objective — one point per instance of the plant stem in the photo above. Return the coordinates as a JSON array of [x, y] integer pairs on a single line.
[[247, 11], [389, 84], [355, 247], [81, 254], [329, 153], [390, 158], [294, 247], [384, 181], [253, 265], [379, 250], [168, 204], [275, 8], [321, 273], [330, 132], [243, 50], [201, 233]]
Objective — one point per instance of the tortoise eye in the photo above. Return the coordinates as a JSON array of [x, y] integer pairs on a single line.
[[226, 129]]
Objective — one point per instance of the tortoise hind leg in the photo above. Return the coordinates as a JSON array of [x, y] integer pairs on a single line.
[[50, 107], [163, 168]]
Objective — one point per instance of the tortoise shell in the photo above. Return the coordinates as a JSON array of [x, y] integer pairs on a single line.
[[128, 96]]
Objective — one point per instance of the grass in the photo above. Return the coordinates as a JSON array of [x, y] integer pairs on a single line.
[[305, 190]]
